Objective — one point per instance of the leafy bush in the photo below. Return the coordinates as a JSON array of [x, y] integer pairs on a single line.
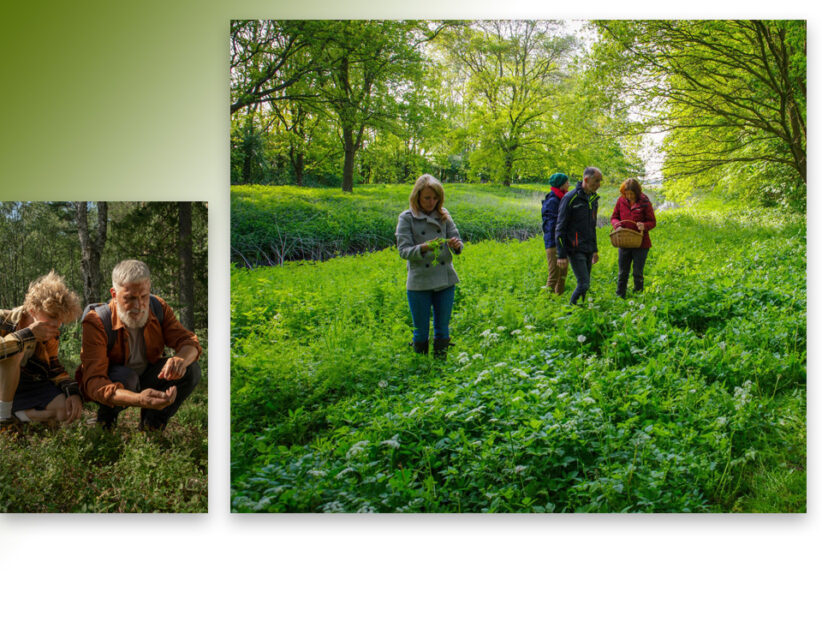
[[82, 468]]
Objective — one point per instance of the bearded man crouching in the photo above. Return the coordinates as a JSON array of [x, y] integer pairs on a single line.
[[122, 356]]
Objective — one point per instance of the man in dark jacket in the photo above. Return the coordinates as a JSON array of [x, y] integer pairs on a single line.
[[550, 209], [577, 230]]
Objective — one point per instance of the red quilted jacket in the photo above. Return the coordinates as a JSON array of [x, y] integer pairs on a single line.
[[641, 211]]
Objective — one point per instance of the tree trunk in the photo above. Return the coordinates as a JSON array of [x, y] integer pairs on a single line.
[[349, 150], [91, 248], [186, 266]]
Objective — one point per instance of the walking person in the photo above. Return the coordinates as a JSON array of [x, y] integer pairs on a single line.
[[633, 210], [426, 238], [559, 183], [576, 230]]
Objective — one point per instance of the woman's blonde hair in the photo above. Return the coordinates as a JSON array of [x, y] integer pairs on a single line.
[[426, 180], [49, 294], [631, 184]]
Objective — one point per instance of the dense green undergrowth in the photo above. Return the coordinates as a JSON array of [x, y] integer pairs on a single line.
[[82, 468], [689, 397], [270, 225]]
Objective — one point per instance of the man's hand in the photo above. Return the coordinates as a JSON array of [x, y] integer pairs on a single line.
[[562, 263], [175, 368], [74, 407], [44, 330], [596, 257], [155, 399]]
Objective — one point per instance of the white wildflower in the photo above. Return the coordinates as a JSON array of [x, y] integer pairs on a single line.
[[501, 328], [477, 356], [391, 442], [530, 327], [516, 332], [519, 468], [383, 384], [485, 333], [582, 338], [356, 449], [317, 473]]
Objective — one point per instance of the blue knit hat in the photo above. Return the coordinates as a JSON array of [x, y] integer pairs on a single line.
[[557, 179]]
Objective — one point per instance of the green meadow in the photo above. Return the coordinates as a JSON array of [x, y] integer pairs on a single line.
[[689, 397]]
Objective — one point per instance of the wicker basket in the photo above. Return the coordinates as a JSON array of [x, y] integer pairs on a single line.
[[625, 238]]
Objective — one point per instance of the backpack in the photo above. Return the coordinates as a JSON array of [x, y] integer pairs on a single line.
[[104, 313]]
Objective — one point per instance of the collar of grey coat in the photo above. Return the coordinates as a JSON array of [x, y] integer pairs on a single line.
[[423, 216]]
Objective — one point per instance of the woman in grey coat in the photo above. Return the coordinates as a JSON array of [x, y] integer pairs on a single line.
[[431, 275]]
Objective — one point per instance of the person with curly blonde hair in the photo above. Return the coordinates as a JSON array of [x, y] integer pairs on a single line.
[[33, 383]]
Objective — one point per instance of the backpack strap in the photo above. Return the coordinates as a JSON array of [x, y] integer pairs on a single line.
[[104, 313], [156, 308]]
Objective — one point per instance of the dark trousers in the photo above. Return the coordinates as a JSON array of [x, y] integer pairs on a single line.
[[626, 257], [581, 263], [149, 418]]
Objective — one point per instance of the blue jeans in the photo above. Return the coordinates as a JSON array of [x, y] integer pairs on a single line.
[[421, 302], [581, 263]]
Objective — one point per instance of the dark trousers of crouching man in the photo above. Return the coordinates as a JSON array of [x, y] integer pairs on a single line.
[[150, 419]]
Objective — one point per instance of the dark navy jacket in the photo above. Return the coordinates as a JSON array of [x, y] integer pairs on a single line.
[[577, 222], [550, 209]]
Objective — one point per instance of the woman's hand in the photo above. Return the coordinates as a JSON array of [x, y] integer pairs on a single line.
[[425, 248], [455, 243], [640, 226]]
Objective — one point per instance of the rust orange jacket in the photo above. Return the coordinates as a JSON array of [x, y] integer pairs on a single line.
[[95, 357]]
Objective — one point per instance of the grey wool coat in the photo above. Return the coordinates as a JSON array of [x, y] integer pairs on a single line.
[[413, 229]]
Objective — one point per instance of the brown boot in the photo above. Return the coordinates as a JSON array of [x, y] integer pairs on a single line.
[[441, 348], [11, 425], [420, 347]]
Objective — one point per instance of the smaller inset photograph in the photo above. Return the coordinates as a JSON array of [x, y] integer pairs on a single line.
[[103, 357]]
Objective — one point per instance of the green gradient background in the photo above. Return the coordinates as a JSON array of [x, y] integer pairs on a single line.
[[107, 100]]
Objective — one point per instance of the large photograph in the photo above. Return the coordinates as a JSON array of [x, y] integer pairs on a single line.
[[518, 266], [103, 342]]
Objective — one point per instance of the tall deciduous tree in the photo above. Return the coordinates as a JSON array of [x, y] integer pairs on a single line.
[[729, 93], [513, 71]]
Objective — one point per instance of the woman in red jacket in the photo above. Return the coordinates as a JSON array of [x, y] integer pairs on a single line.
[[633, 210]]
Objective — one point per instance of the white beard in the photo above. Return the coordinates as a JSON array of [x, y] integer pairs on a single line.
[[133, 321]]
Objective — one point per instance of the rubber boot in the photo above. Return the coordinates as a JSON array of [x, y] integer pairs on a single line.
[[441, 348], [420, 347]]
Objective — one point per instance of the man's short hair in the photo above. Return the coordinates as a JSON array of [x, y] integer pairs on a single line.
[[49, 294], [591, 171], [129, 272]]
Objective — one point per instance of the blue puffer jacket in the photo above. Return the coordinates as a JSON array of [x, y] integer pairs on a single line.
[[550, 209]]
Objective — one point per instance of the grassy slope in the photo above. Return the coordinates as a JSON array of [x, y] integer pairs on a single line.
[[81, 468], [691, 397], [270, 224]]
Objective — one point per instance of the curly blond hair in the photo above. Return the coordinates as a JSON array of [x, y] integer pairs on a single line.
[[426, 180], [49, 294]]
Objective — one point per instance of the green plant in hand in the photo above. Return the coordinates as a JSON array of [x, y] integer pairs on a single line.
[[435, 245]]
